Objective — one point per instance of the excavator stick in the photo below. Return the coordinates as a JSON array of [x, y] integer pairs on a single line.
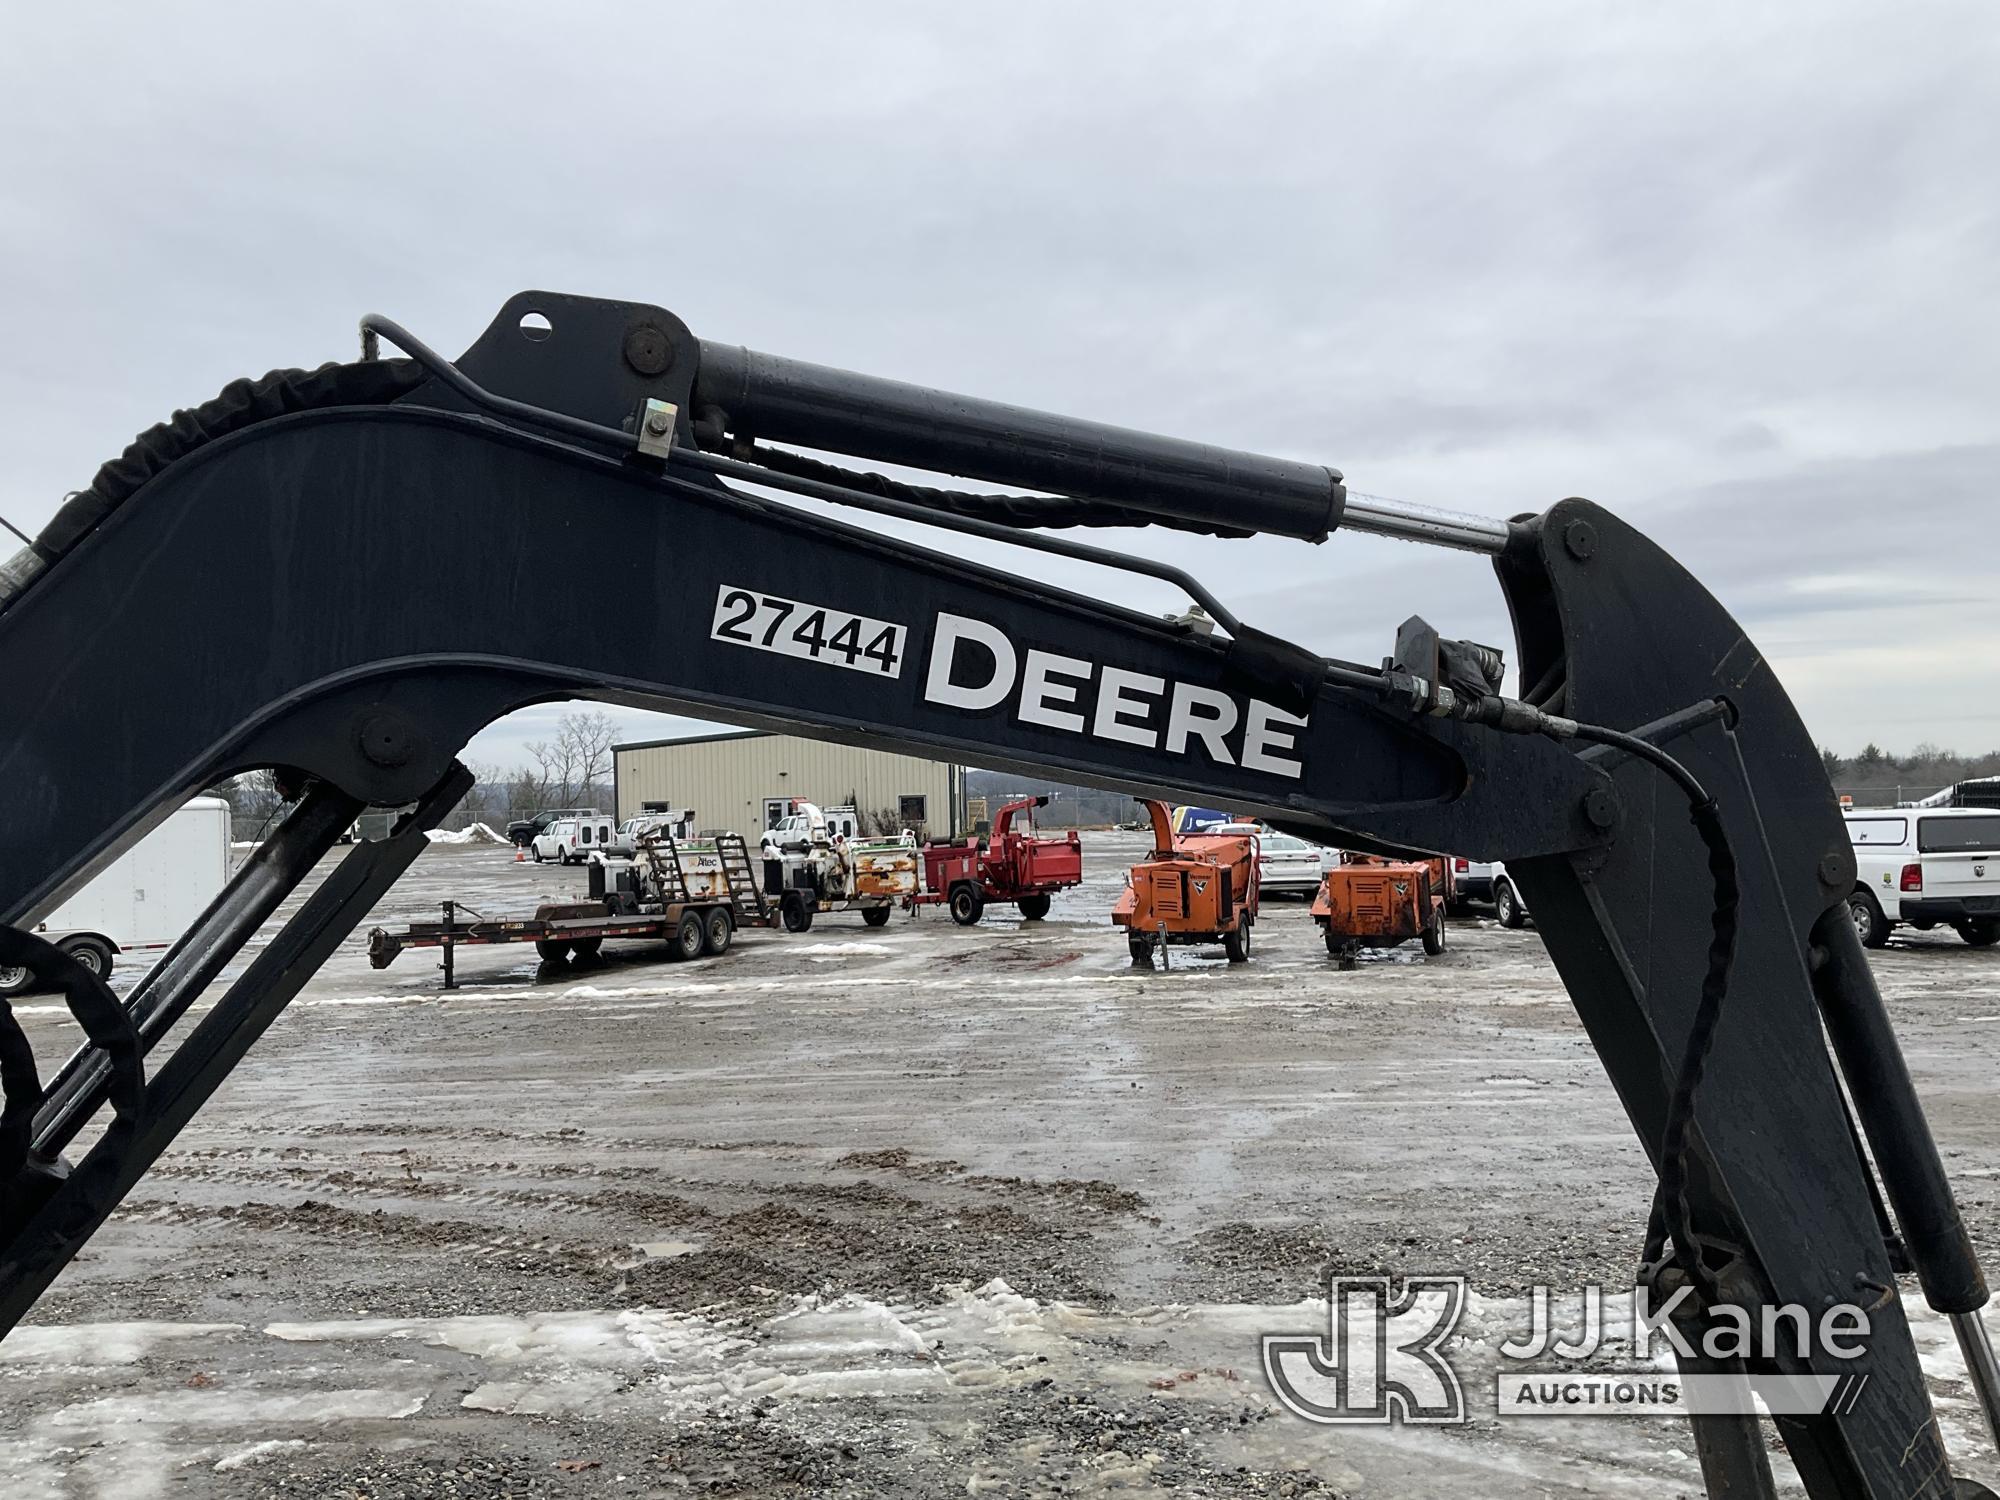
[[288, 532]]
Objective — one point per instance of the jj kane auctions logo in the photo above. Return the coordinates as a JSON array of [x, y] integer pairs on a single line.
[[1384, 1359]]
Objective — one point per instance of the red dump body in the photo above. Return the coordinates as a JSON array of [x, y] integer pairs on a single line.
[[1019, 867]]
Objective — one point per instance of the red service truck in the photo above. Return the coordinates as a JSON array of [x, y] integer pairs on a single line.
[[1023, 868]]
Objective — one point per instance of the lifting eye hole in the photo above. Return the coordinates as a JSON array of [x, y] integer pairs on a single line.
[[535, 326]]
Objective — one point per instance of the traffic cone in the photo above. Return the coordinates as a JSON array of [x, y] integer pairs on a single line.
[[520, 855]]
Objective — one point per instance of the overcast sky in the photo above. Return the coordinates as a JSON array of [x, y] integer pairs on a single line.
[[1729, 270]]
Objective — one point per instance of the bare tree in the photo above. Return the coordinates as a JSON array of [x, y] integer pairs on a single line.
[[590, 736], [488, 796], [571, 768], [254, 794]]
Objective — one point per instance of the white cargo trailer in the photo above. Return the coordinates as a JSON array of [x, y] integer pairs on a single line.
[[145, 898]]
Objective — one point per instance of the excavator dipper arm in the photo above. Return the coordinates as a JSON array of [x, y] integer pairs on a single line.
[[270, 581]]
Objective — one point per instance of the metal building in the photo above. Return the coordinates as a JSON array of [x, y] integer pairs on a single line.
[[746, 780]]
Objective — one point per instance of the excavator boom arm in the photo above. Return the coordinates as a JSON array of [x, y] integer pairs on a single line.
[[265, 584]]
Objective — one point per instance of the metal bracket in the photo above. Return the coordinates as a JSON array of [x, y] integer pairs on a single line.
[[657, 420]]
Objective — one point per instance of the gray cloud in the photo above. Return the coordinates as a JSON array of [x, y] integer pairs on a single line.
[[1732, 274]]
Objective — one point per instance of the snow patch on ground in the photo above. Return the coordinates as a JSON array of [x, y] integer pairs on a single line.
[[843, 950], [224, 1406], [478, 833], [95, 1345], [256, 1453], [824, 1349]]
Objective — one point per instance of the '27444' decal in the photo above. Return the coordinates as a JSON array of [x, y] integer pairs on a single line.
[[832, 637]]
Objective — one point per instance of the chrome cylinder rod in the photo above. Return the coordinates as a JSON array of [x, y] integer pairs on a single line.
[[1423, 523], [1981, 1366]]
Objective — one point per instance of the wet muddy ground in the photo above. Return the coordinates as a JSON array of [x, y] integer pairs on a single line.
[[917, 1211]]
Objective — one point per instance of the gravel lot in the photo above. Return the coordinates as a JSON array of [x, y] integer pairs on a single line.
[[917, 1211]]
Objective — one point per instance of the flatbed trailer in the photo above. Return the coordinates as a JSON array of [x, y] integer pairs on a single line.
[[695, 918]]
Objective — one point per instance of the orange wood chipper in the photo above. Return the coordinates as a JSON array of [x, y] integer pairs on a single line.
[[1194, 888], [1368, 901]]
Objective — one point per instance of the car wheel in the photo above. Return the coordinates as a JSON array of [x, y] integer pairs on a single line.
[[798, 916], [717, 931], [1237, 944], [14, 981], [1980, 934], [876, 916], [93, 953], [1434, 932], [1869, 923], [966, 905], [1507, 905], [1034, 908]]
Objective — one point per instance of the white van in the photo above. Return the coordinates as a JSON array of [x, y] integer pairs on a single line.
[[571, 841], [146, 898], [1925, 867]]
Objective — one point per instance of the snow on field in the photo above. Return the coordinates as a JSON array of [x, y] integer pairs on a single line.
[[845, 1354], [478, 833]]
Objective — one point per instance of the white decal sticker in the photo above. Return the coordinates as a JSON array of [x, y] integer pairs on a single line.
[[1107, 703], [811, 632]]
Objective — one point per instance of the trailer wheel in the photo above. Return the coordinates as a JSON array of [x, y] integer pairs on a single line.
[[1034, 908], [13, 982], [552, 950], [688, 937], [966, 905], [93, 953], [1237, 944], [1140, 946], [1434, 932], [876, 916], [716, 932], [586, 947], [798, 916]]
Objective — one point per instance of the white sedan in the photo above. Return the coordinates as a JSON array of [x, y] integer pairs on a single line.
[[1284, 863]]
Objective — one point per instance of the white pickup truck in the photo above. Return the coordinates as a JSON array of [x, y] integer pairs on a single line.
[[573, 840], [1925, 867]]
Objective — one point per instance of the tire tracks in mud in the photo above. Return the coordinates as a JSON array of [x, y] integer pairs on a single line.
[[804, 1225]]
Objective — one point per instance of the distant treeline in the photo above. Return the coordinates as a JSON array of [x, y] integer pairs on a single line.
[[1877, 776], [1872, 776], [1069, 806]]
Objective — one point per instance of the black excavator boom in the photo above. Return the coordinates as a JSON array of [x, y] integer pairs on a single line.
[[259, 584]]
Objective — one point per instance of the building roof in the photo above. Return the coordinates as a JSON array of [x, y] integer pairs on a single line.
[[695, 739]]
